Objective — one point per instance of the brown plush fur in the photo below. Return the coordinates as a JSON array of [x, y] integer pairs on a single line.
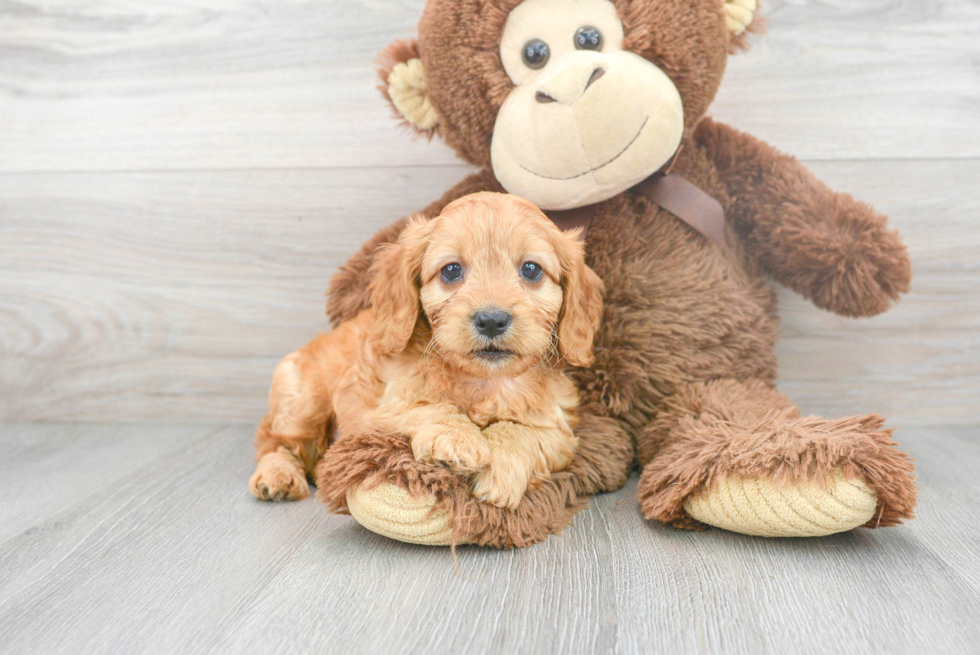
[[684, 366], [723, 427], [367, 460]]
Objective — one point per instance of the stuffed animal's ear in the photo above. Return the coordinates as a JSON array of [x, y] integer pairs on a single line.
[[395, 288], [403, 84], [741, 18], [739, 15]]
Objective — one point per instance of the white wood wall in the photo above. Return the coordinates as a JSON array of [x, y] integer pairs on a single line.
[[178, 179]]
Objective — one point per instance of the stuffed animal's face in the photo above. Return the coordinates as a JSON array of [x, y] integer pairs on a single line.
[[586, 119], [570, 101]]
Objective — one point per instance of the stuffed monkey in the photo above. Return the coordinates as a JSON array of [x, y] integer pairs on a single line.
[[581, 106]]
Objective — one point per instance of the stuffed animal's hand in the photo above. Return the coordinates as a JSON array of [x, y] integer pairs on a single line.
[[849, 263], [825, 245]]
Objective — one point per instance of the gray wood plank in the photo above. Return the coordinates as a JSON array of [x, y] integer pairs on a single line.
[[866, 591], [175, 556], [919, 362], [74, 460], [860, 79], [155, 296], [158, 84], [949, 497], [160, 295]]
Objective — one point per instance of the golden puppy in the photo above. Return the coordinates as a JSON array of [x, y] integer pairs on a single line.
[[474, 313]]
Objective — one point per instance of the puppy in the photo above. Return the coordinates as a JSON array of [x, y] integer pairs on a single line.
[[473, 315]]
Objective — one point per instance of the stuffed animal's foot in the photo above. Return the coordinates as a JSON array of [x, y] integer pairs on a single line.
[[279, 476], [393, 512], [376, 478], [760, 507], [737, 455]]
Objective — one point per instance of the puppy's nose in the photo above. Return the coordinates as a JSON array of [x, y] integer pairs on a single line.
[[491, 322]]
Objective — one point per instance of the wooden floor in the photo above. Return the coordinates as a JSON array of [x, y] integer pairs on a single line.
[[178, 180], [126, 539]]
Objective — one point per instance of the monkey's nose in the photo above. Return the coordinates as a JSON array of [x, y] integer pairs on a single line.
[[569, 85], [491, 322], [596, 74]]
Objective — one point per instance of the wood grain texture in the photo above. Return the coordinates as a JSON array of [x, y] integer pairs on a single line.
[[163, 84], [166, 552], [138, 281], [167, 295]]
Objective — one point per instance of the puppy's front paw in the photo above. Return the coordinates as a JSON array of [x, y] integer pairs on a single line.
[[460, 446], [278, 477], [502, 484]]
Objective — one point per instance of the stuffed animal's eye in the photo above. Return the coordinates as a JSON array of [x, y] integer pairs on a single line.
[[588, 38], [536, 53], [452, 272], [531, 271]]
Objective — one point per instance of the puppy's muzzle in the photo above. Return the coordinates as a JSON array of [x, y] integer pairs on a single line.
[[491, 323]]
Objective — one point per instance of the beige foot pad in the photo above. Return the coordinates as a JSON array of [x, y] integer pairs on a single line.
[[392, 512], [760, 508]]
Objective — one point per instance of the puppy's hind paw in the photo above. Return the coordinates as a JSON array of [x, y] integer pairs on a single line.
[[277, 477]]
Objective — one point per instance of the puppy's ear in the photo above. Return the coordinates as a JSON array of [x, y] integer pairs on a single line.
[[582, 307], [403, 83], [395, 287]]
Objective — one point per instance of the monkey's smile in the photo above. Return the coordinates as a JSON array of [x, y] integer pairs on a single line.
[[492, 354], [593, 170]]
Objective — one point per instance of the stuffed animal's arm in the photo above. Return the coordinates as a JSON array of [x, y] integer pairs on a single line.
[[347, 295], [834, 250]]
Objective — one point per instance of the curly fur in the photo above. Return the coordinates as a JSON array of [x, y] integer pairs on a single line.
[[415, 363]]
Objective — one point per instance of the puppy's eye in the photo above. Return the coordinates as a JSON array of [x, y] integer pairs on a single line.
[[536, 53], [452, 272], [531, 271], [588, 38]]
